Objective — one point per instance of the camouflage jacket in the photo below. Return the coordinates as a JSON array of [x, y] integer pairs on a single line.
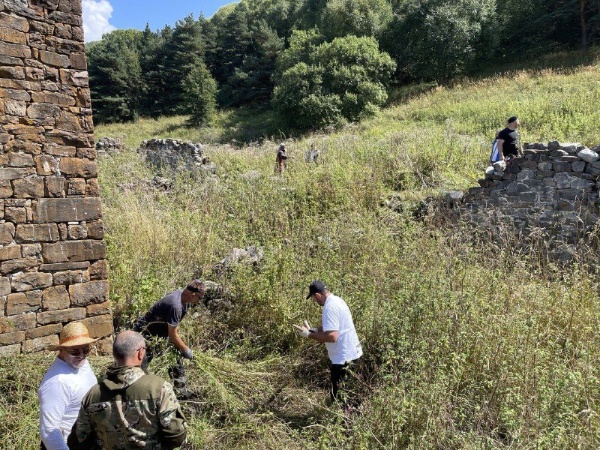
[[129, 410]]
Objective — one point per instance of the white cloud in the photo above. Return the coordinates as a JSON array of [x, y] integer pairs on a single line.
[[96, 14]]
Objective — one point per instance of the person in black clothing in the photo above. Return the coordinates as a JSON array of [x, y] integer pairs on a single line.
[[162, 320], [509, 142]]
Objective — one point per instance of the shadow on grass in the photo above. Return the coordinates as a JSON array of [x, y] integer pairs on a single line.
[[564, 62]]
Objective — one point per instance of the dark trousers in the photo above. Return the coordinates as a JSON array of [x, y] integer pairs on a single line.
[[153, 330], [339, 381]]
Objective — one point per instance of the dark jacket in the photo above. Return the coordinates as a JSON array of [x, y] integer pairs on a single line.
[[129, 410]]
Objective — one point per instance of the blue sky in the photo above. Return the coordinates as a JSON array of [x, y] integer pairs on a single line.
[[103, 16]]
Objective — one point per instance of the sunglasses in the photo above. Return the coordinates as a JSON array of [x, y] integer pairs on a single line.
[[79, 351]]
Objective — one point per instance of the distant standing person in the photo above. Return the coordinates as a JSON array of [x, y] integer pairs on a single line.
[[509, 141], [338, 334], [129, 409], [312, 154], [163, 319], [65, 383], [281, 159]]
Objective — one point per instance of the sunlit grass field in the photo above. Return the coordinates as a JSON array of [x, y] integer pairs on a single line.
[[468, 344]]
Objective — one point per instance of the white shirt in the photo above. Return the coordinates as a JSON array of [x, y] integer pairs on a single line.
[[60, 396], [337, 317]]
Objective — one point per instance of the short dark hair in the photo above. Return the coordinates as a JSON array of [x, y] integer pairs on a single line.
[[512, 119], [196, 286]]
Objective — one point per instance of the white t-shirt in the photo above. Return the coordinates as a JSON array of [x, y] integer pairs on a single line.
[[60, 395], [337, 317]]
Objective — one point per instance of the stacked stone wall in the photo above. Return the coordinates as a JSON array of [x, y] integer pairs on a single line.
[[53, 267], [552, 189]]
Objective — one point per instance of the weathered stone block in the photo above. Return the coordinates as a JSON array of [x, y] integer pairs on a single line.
[[21, 145], [69, 251], [562, 166], [15, 50], [95, 229], [64, 266], [76, 186], [23, 302], [46, 330], [78, 61], [42, 111], [12, 338], [93, 188], [46, 165], [15, 73], [54, 98], [14, 22], [99, 326], [7, 233], [43, 232], [99, 270], [60, 316], [76, 167], [10, 350], [4, 286], [55, 187], [59, 150], [31, 187], [77, 232], [28, 281], [20, 160], [31, 250], [39, 344], [71, 277], [54, 59], [67, 210], [20, 322], [5, 189], [55, 297], [87, 293], [578, 166], [15, 214], [98, 309], [15, 265], [10, 252]]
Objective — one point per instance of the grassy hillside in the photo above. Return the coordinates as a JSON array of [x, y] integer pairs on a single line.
[[468, 344]]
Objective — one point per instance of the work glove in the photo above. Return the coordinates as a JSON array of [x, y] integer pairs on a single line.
[[188, 353], [305, 329], [310, 329]]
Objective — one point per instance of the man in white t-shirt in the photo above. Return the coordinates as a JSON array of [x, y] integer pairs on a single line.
[[338, 334], [65, 383]]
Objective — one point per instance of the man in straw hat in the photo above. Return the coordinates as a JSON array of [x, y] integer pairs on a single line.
[[129, 409], [163, 319], [65, 383]]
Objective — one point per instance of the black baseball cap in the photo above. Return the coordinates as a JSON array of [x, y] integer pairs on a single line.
[[512, 119], [314, 287]]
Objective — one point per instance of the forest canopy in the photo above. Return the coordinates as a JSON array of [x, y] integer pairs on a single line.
[[318, 62]]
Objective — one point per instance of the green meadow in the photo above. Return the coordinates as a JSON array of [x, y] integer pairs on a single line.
[[468, 344]]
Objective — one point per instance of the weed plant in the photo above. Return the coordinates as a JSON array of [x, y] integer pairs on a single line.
[[468, 343]]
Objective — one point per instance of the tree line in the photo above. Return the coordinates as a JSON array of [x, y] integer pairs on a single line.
[[320, 62]]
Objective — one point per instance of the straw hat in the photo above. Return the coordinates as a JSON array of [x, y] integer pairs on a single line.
[[72, 335]]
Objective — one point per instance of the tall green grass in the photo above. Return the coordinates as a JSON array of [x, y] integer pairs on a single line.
[[469, 344]]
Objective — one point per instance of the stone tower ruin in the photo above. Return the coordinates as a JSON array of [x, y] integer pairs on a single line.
[[53, 266]]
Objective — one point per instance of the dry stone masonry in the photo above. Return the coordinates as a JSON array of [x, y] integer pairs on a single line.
[[553, 188], [53, 266]]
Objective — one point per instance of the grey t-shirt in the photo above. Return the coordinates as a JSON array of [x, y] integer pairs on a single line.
[[168, 310]]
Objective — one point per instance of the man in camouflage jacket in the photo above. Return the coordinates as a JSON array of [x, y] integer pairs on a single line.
[[129, 409]]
